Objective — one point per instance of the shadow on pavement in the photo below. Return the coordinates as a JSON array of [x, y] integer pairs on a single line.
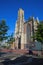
[[23, 60]]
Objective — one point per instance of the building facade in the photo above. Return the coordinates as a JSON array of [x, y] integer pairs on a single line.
[[24, 30]]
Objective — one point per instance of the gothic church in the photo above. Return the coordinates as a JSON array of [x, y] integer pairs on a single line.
[[24, 30]]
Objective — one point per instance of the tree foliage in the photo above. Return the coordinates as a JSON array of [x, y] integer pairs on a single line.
[[3, 30], [11, 39], [39, 33]]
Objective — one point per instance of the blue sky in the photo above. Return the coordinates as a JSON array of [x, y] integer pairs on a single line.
[[9, 10]]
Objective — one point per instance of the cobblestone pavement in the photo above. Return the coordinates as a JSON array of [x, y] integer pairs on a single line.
[[9, 55], [23, 60], [17, 57]]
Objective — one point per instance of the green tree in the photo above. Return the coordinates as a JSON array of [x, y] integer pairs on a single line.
[[39, 33], [3, 30], [11, 39]]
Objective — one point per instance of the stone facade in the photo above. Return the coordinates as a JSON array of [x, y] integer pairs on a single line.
[[24, 31]]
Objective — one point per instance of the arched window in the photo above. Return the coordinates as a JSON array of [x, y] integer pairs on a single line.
[[28, 32]]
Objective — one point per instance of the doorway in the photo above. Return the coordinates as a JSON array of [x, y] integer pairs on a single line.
[[19, 43]]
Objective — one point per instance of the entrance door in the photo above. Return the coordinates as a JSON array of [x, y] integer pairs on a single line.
[[19, 43]]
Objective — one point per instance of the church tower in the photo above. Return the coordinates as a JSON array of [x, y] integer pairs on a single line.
[[19, 29]]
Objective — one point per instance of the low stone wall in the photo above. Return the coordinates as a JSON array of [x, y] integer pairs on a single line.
[[22, 51], [18, 51]]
